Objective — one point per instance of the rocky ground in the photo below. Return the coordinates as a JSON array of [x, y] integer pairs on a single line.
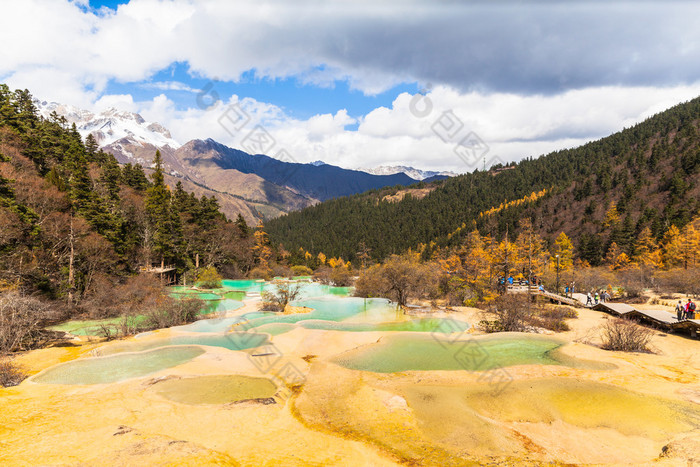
[[643, 409]]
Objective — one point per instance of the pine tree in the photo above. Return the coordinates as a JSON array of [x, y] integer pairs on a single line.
[[242, 226], [111, 175], [91, 147], [159, 212]]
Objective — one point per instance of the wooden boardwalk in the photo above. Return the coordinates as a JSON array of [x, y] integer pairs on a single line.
[[660, 318], [561, 299]]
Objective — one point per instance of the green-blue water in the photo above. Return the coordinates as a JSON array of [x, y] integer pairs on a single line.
[[218, 325], [93, 327], [231, 341], [374, 310], [439, 325], [308, 289], [421, 352], [117, 367], [275, 329], [223, 305]]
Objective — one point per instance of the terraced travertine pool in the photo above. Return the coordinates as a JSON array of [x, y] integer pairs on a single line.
[[217, 389], [411, 344], [100, 370], [420, 352], [372, 376], [230, 341]]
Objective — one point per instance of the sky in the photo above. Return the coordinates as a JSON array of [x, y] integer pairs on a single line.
[[438, 85]]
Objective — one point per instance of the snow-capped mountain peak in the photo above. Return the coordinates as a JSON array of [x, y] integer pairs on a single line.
[[414, 173], [110, 125]]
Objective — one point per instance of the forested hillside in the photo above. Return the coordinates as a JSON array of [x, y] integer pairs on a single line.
[[601, 193], [73, 220]]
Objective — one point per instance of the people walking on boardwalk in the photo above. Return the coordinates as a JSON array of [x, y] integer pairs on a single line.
[[597, 298], [680, 311], [690, 310], [589, 299]]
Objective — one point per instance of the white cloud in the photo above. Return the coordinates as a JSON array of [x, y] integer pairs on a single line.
[[168, 86], [527, 77], [543, 47], [514, 127]]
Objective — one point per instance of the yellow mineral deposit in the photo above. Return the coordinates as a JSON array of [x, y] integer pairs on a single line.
[[300, 398]]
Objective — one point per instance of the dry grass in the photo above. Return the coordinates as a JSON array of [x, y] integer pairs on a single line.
[[625, 335], [10, 373]]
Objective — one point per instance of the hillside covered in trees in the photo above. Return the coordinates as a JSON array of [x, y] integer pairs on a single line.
[[73, 221], [609, 192]]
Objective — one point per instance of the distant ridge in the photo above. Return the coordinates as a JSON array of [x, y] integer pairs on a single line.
[[412, 172]]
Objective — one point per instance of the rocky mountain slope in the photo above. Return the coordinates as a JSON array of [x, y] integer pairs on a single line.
[[257, 186]]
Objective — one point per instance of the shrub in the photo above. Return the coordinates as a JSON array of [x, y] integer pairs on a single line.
[[625, 335], [107, 300], [371, 282], [10, 374], [170, 312], [513, 312], [398, 278], [301, 271], [277, 299], [323, 275], [281, 271], [209, 278], [341, 276], [21, 322], [260, 273], [553, 318], [679, 281]]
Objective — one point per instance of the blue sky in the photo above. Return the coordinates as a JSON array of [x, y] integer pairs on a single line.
[[363, 83], [297, 99]]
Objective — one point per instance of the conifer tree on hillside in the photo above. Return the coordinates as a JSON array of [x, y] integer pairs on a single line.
[[163, 222]]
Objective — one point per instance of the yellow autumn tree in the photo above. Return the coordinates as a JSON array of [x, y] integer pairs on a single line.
[[321, 258], [612, 216], [622, 263], [336, 262], [611, 256], [505, 258], [672, 248], [451, 265], [530, 253], [690, 245], [565, 249], [261, 247], [618, 260], [646, 251], [476, 264]]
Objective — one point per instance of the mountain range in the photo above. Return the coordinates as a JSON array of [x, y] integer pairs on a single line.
[[414, 173], [255, 185]]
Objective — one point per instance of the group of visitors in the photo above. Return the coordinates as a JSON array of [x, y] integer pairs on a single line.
[[598, 297], [686, 311]]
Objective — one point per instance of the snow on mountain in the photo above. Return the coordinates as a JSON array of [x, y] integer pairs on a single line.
[[414, 173], [317, 163], [111, 125]]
